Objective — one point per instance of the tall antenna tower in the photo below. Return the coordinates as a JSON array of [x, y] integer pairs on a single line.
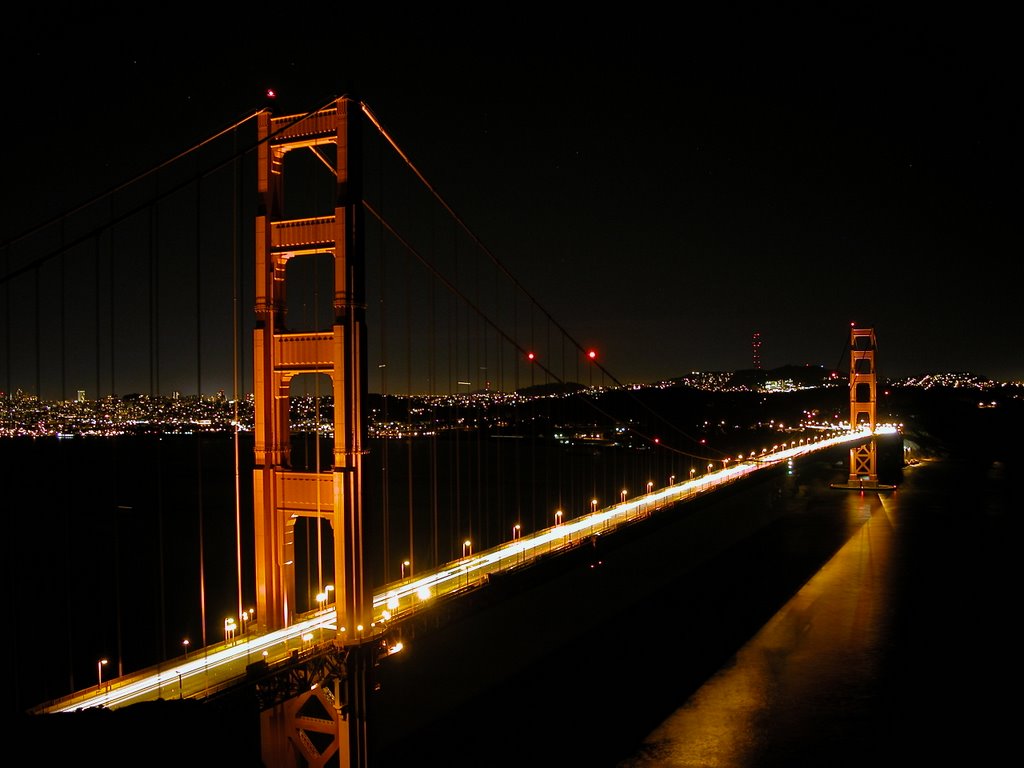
[[757, 350]]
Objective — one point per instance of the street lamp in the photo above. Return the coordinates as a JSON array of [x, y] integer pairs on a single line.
[[99, 672], [327, 591], [593, 505], [405, 564], [517, 533], [623, 495], [650, 485], [467, 547], [229, 628], [671, 479], [185, 643], [558, 517]]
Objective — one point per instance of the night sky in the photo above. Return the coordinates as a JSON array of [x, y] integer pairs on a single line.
[[665, 186]]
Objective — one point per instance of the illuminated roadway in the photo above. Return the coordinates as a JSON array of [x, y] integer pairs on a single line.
[[217, 667]]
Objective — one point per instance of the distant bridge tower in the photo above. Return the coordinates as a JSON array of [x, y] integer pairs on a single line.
[[863, 458], [280, 494], [756, 344]]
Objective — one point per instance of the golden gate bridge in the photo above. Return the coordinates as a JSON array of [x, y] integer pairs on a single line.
[[361, 278]]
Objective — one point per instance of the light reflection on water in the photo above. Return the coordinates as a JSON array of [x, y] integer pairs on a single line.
[[809, 659], [888, 655]]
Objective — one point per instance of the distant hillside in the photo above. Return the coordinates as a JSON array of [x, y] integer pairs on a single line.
[[799, 375]]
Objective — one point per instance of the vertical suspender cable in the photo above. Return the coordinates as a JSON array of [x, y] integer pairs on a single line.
[[409, 395], [63, 330], [199, 291], [455, 346], [384, 434], [38, 331], [236, 283], [7, 321], [202, 570], [155, 331], [96, 295], [110, 294], [435, 560]]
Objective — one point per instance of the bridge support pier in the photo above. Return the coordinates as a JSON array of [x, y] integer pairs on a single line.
[[314, 711], [307, 730]]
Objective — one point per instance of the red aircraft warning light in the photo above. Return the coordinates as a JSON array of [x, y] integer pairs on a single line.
[[592, 355]]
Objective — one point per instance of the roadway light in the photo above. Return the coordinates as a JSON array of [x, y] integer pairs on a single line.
[[516, 532], [405, 564], [327, 591], [185, 643], [650, 485], [558, 517], [99, 672], [623, 495], [467, 547], [593, 505]]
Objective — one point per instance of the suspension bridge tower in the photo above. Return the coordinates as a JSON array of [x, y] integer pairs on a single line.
[[863, 401], [333, 495]]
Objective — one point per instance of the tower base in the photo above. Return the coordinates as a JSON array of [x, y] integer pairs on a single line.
[[863, 485]]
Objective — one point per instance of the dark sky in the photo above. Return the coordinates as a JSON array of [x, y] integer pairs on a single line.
[[664, 185]]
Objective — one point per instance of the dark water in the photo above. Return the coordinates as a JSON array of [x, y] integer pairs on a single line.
[[121, 547], [898, 651], [875, 629]]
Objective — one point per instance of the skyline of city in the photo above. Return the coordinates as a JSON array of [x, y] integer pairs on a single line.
[[24, 415]]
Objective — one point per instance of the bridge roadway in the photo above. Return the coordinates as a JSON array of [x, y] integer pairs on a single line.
[[218, 667]]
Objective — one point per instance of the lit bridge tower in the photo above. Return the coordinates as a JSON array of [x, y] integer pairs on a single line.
[[282, 495], [863, 401], [864, 457]]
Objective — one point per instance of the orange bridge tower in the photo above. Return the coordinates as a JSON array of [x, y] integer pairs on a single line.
[[863, 400], [331, 137]]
